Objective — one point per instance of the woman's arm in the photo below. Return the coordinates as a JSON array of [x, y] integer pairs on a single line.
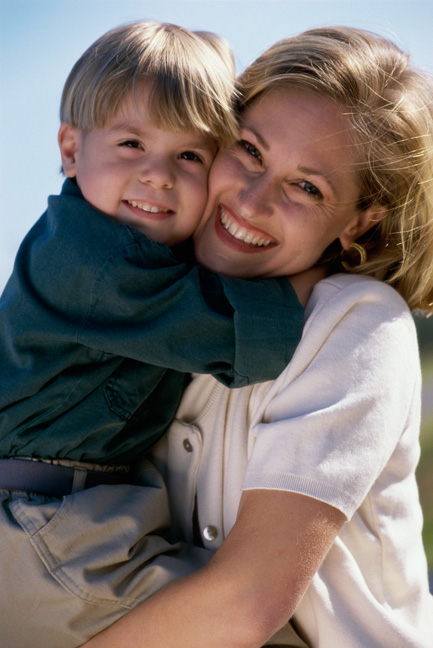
[[250, 588]]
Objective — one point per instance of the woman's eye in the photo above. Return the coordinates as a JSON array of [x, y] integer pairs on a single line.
[[190, 155], [310, 189], [250, 149]]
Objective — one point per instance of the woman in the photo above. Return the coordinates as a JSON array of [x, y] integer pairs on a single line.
[[306, 486]]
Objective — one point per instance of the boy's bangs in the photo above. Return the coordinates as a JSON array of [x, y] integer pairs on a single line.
[[178, 103], [192, 82], [175, 105]]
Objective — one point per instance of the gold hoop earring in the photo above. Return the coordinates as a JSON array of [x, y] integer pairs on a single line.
[[362, 254]]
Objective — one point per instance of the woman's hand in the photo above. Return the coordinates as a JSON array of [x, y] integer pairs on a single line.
[[251, 587]]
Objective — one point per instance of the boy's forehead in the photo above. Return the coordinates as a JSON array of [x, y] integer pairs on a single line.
[[134, 116]]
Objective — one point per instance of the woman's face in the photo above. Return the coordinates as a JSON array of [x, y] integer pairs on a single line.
[[284, 192]]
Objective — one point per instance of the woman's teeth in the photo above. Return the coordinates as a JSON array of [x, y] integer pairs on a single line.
[[148, 208], [241, 234]]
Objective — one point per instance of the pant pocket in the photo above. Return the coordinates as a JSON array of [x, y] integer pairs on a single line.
[[108, 544], [97, 541]]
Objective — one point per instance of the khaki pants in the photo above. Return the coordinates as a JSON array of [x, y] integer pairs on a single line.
[[70, 568]]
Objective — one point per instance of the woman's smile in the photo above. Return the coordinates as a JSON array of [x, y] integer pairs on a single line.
[[243, 233], [284, 194]]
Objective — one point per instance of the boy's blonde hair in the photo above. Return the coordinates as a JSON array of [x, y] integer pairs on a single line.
[[390, 106], [191, 77]]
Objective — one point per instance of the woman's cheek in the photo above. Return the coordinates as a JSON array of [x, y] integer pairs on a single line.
[[224, 171]]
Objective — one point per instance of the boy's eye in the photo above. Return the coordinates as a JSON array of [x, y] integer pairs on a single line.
[[250, 149], [310, 189], [131, 144], [190, 155]]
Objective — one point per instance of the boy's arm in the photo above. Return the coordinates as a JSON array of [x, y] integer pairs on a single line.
[[166, 313], [85, 278]]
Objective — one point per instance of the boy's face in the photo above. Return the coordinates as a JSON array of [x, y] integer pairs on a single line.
[[140, 175]]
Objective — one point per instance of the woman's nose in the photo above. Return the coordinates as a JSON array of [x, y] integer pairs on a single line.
[[255, 198], [158, 172]]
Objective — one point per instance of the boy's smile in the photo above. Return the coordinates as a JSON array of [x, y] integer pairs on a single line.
[[139, 174]]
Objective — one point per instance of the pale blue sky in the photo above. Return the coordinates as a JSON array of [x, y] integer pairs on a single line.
[[40, 40]]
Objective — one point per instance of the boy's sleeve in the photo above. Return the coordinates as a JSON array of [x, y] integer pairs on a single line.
[[150, 307]]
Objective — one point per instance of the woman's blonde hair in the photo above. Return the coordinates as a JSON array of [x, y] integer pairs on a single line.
[[390, 105], [191, 77]]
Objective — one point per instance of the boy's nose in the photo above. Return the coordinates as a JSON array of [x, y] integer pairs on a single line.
[[158, 172]]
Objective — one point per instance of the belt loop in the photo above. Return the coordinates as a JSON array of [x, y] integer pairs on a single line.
[[79, 481]]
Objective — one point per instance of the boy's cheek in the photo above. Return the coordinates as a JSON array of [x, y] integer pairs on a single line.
[[204, 218]]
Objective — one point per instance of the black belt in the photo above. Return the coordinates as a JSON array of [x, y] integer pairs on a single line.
[[51, 479]]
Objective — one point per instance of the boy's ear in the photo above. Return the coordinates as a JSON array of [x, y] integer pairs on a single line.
[[69, 138], [360, 224]]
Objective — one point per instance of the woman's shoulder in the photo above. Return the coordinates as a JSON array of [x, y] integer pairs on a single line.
[[347, 290], [358, 306]]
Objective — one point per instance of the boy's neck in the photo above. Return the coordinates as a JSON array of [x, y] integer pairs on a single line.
[[184, 252]]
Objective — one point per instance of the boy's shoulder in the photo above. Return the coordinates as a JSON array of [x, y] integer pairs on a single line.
[[72, 227], [70, 219], [74, 251], [72, 243]]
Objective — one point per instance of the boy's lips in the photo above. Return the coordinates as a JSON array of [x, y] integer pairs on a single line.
[[152, 209], [243, 233]]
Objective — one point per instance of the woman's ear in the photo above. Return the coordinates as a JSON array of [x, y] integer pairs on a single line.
[[69, 138], [360, 224]]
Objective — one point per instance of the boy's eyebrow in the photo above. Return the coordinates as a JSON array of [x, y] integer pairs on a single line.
[[118, 127], [121, 127]]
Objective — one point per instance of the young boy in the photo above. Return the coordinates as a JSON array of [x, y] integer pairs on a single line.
[[101, 321], [95, 312]]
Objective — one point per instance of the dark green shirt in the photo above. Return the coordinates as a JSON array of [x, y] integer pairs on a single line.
[[99, 325]]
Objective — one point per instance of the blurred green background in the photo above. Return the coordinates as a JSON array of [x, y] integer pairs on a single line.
[[425, 472]]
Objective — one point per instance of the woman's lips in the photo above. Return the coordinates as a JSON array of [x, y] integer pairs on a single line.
[[249, 238]]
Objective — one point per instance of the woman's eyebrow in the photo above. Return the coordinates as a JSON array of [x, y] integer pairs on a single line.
[[321, 174], [257, 135]]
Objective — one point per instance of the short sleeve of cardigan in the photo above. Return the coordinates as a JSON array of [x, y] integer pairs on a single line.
[[329, 424]]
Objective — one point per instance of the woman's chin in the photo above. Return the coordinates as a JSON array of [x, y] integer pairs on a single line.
[[222, 265]]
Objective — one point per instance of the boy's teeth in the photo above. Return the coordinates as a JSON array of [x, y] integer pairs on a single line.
[[148, 208], [241, 233]]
